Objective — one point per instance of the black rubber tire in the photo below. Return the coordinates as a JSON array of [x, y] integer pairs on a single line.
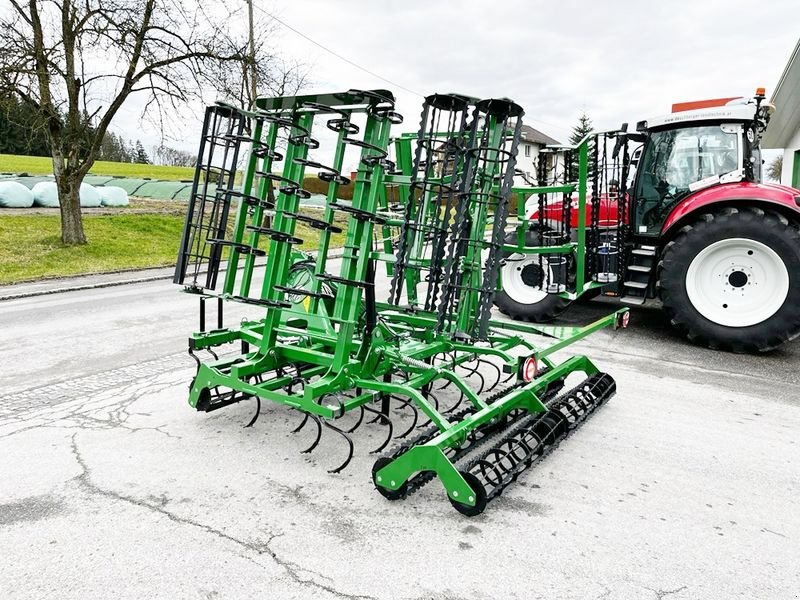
[[770, 229], [397, 494], [545, 310], [480, 497]]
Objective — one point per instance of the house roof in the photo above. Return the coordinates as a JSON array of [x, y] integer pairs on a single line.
[[785, 121], [529, 134]]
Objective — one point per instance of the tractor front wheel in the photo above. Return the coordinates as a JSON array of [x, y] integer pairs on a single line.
[[731, 280], [524, 277]]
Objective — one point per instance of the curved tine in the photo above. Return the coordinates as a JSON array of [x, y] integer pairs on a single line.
[[476, 373], [391, 429], [448, 383], [461, 397], [429, 395], [358, 423], [349, 443], [408, 404], [212, 353], [302, 423], [379, 414], [319, 434], [197, 360], [496, 368], [258, 412]]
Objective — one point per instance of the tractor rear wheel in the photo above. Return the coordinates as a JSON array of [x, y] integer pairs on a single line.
[[731, 280], [522, 297]]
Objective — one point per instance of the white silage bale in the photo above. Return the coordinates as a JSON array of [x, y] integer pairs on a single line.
[[15, 195], [111, 195], [45, 193], [90, 197]]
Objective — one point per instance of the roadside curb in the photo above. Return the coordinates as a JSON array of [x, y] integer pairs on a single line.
[[77, 287]]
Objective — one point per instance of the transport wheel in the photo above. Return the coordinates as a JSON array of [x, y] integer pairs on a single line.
[[731, 280], [387, 493], [522, 297], [480, 497]]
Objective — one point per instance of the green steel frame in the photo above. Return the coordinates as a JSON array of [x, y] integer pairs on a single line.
[[328, 356]]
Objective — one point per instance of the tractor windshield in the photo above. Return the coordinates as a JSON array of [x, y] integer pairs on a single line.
[[678, 162]]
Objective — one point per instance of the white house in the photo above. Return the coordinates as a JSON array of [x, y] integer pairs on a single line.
[[531, 142], [784, 126]]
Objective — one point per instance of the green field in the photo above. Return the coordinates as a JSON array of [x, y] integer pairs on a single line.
[[41, 165], [146, 235], [31, 248]]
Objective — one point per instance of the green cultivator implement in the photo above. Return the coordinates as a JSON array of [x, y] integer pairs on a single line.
[[327, 345]]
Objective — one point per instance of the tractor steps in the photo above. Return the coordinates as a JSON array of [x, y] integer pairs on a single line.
[[641, 268], [644, 251], [637, 285]]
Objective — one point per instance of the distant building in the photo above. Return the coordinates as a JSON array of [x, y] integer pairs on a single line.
[[531, 142], [784, 126]]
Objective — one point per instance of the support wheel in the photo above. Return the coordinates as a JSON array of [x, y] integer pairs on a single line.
[[385, 492], [731, 280], [480, 497], [523, 297]]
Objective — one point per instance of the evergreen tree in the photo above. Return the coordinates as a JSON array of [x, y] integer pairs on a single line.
[[581, 129], [140, 156], [21, 131]]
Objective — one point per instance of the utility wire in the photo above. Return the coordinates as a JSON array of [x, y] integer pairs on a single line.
[[357, 66], [337, 55]]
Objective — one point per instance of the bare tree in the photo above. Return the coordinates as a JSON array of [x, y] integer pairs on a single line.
[[775, 168], [77, 61], [260, 71]]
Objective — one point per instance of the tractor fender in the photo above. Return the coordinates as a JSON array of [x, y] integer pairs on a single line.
[[778, 198]]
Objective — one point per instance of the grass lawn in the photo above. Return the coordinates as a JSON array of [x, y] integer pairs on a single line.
[[31, 248], [41, 165]]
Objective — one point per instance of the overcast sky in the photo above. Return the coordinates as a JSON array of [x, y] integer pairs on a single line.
[[617, 60]]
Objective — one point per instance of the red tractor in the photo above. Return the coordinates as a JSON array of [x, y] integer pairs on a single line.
[[696, 228]]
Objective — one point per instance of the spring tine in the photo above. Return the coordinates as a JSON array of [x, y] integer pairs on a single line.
[[478, 375], [258, 412], [212, 353], [448, 383], [388, 421], [358, 423], [429, 396], [349, 443], [302, 423], [496, 368], [197, 360], [408, 404], [457, 404], [319, 434]]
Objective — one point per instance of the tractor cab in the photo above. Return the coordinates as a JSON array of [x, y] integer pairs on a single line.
[[697, 146]]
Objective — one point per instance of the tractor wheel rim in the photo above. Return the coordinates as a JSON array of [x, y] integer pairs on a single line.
[[514, 285], [737, 282]]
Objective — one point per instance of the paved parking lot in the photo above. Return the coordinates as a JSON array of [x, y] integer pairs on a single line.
[[684, 486]]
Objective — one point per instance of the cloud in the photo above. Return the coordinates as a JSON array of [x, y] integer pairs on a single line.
[[617, 60]]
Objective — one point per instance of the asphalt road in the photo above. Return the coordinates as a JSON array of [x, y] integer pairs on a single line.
[[686, 485]]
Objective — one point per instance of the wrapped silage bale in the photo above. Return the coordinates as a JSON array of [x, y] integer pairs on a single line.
[[45, 193], [90, 197], [15, 195], [111, 195]]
